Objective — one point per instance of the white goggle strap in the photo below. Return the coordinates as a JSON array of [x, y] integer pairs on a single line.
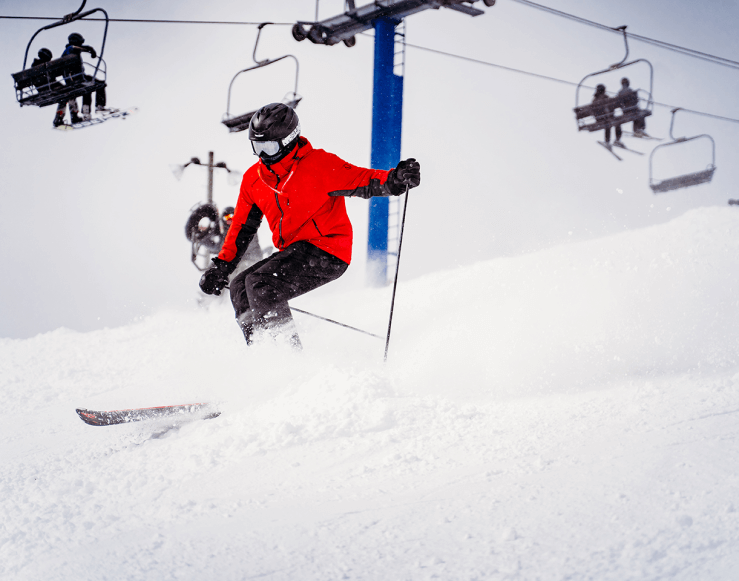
[[292, 136]]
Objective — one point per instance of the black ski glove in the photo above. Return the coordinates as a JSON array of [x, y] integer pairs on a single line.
[[215, 279], [408, 173], [91, 50]]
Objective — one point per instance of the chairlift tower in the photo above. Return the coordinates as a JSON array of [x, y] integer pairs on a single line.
[[386, 17]]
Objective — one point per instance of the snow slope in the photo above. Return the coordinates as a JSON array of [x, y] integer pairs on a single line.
[[569, 414]]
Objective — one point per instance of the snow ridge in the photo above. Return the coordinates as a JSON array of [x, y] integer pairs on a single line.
[[568, 414]]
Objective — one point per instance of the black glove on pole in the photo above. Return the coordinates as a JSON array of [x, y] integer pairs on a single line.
[[215, 278], [397, 269], [406, 175]]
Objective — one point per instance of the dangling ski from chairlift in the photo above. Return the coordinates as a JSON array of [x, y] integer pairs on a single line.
[[100, 117], [618, 143], [605, 111], [686, 180], [291, 99], [642, 135], [609, 147]]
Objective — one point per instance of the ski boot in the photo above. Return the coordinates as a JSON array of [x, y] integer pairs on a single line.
[[58, 120], [86, 113]]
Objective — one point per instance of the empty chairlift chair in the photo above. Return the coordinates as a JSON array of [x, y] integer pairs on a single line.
[[686, 180], [241, 122], [61, 79], [614, 110]]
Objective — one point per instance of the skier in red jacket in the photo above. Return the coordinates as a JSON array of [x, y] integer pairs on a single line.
[[301, 191]]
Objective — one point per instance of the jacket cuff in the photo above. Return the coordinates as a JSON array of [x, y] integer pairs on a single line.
[[224, 266]]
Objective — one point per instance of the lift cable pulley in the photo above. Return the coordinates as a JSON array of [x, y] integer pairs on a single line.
[[345, 27]]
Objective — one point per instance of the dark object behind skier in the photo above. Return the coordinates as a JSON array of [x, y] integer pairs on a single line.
[[302, 192]]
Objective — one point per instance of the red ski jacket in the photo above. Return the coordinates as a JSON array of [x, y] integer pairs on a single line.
[[302, 197]]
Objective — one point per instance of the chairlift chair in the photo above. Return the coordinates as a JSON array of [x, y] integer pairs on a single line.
[[39, 85], [597, 116], [291, 99], [682, 181]]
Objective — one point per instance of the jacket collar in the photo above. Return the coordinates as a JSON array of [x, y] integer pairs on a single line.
[[287, 164]]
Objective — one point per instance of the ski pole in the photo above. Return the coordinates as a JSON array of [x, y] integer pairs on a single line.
[[397, 269], [331, 321], [336, 323]]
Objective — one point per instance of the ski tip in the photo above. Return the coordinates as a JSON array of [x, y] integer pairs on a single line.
[[203, 411], [88, 417]]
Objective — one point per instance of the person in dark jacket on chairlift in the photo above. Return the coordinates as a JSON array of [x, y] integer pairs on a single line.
[[630, 100]]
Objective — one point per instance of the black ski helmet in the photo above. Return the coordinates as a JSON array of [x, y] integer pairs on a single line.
[[44, 54], [76, 39], [276, 125]]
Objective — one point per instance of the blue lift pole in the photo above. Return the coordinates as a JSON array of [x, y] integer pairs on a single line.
[[387, 123]]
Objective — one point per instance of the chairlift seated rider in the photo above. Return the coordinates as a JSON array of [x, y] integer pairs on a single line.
[[629, 100], [602, 111], [45, 56], [302, 192], [76, 45]]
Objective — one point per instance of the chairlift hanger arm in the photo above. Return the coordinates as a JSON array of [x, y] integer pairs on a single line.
[[626, 44], [686, 139], [259, 65], [66, 20], [259, 33]]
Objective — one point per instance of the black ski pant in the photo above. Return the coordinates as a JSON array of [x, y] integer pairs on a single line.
[[260, 293], [100, 97], [618, 133]]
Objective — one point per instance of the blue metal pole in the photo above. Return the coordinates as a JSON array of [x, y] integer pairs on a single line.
[[387, 121]]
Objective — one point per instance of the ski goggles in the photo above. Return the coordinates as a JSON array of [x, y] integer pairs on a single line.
[[269, 148]]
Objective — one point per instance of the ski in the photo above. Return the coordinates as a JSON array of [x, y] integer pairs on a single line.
[[610, 149], [101, 117], [622, 146], [202, 411], [642, 135]]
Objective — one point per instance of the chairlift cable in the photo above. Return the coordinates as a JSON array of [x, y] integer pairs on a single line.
[[662, 44], [151, 21], [553, 79]]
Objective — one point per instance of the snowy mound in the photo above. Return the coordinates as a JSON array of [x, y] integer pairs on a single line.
[[564, 414]]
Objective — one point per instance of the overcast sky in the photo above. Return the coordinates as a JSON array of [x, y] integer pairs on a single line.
[[91, 221]]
